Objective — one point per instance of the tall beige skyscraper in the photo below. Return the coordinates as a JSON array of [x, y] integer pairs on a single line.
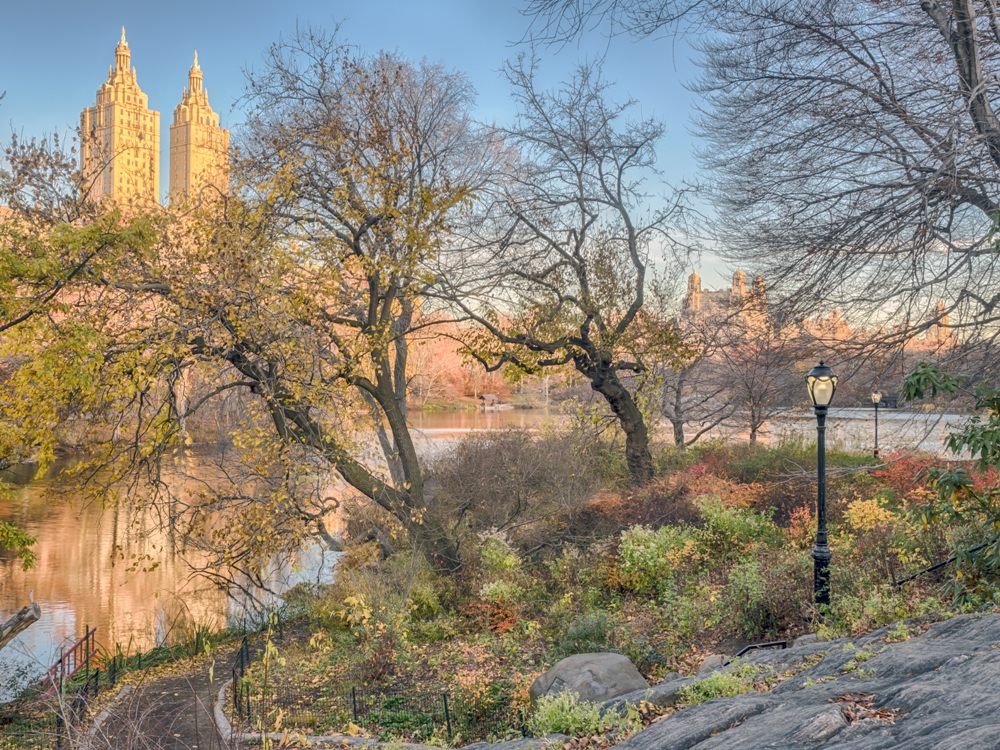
[[120, 138], [199, 148]]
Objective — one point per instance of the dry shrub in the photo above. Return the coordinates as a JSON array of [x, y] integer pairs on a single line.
[[512, 481], [666, 500]]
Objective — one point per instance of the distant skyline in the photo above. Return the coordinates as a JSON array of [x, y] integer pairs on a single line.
[[53, 58]]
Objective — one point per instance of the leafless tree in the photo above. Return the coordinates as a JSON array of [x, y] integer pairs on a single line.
[[567, 242], [561, 21], [694, 394], [856, 152]]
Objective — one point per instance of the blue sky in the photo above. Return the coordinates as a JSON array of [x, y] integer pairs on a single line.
[[55, 55]]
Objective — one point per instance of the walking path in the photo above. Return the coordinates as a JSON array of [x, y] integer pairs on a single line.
[[168, 713]]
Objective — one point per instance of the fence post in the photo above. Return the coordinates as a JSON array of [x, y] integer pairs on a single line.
[[140, 661], [524, 729], [447, 713], [86, 653], [354, 702]]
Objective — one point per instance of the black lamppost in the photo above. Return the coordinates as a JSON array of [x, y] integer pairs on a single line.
[[822, 384], [876, 399]]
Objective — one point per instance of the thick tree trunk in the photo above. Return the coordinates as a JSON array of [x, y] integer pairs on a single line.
[[19, 622], [637, 455]]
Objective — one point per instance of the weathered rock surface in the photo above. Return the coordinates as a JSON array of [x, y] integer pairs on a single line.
[[711, 663], [940, 688], [594, 677], [664, 694]]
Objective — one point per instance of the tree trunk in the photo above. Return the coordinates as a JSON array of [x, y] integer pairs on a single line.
[[678, 425], [637, 455], [19, 622], [678, 411]]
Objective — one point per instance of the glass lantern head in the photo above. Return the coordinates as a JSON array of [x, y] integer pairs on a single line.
[[822, 384], [876, 396]]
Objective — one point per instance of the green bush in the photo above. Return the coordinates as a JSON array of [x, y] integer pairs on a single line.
[[586, 634], [565, 713], [499, 559], [729, 533], [745, 598], [728, 684], [644, 566]]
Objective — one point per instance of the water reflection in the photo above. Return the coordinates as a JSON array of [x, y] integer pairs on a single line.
[[78, 581], [86, 575]]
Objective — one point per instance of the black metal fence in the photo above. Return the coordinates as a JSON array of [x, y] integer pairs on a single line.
[[386, 714]]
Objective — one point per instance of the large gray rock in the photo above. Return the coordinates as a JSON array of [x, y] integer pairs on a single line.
[[594, 677], [942, 686], [664, 694]]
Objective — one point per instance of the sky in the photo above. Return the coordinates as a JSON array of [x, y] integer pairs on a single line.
[[55, 55]]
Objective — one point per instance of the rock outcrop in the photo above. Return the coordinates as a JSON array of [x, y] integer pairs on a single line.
[[936, 691], [594, 677]]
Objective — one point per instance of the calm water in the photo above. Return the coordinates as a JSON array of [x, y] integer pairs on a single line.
[[78, 582]]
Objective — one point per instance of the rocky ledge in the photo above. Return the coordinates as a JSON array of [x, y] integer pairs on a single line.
[[939, 690]]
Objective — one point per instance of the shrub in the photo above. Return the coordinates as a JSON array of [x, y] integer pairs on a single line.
[[498, 559], [728, 684], [501, 592], [729, 533], [511, 479], [854, 614], [565, 713], [585, 635], [645, 557], [746, 599]]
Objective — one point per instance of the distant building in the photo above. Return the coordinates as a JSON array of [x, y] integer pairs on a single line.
[[199, 147], [736, 304], [120, 138]]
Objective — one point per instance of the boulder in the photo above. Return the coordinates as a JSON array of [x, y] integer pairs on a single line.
[[932, 692], [593, 677], [711, 663], [664, 694]]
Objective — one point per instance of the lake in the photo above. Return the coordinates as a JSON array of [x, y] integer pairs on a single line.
[[78, 582]]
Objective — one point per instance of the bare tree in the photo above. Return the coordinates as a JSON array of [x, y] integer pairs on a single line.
[[564, 20], [856, 150], [568, 242], [695, 393]]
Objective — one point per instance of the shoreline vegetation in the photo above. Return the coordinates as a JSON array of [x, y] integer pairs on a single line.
[[561, 556]]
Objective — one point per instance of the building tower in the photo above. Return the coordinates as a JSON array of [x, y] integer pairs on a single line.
[[199, 148], [120, 138], [692, 300], [739, 289]]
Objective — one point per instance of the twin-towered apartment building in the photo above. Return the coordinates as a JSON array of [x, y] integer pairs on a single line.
[[120, 140]]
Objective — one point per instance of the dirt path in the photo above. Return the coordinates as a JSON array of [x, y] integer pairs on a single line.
[[168, 713]]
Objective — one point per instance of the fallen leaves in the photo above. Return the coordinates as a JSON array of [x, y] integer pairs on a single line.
[[858, 706]]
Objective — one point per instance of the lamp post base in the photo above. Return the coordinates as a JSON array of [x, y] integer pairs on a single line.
[[821, 574]]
